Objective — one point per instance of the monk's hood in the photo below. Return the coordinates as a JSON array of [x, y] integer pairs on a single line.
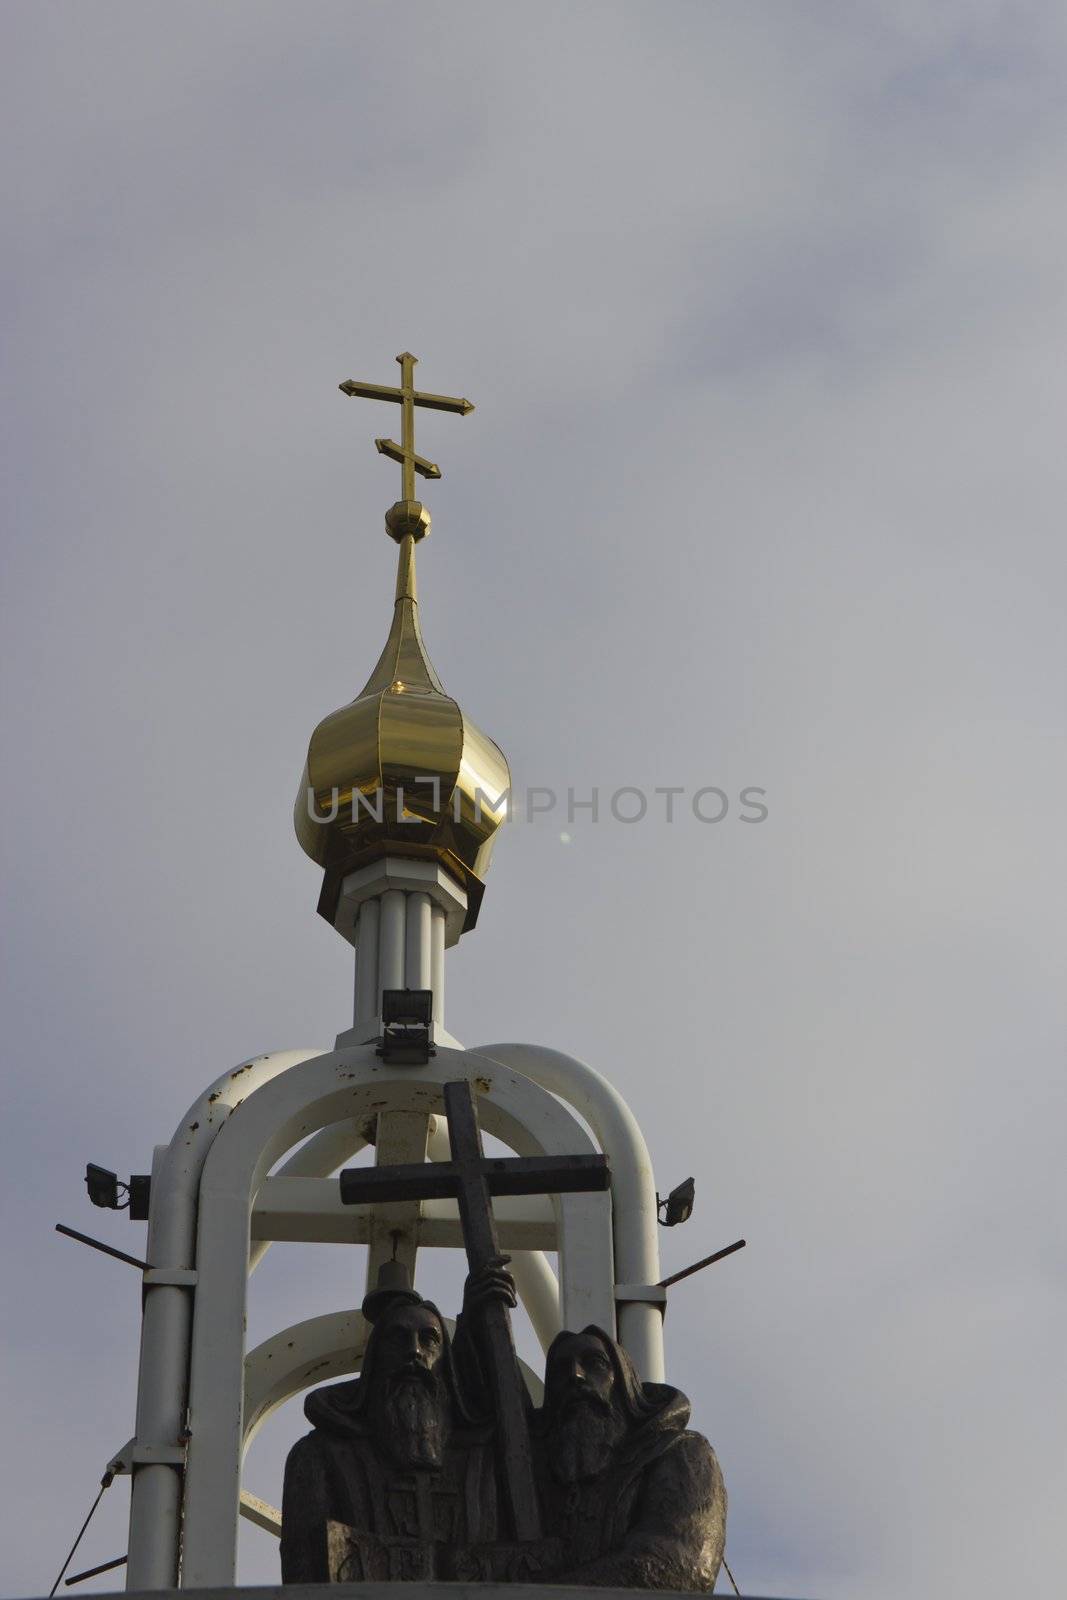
[[672, 1407], [334, 1409]]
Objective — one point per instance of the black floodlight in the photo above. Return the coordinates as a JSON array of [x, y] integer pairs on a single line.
[[140, 1195], [406, 1015], [103, 1186], [678, 1206]]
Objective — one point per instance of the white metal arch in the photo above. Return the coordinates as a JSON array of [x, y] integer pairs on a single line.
[[156, 1487], [633, 1187], [339, 1087]]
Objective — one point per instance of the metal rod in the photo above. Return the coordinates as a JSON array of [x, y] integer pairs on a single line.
[[418, 934], [105, 1483], [437, 963], [107, 1249], [94, 1572], [368, 988], [391, 943], [687, 1272], [731, 1577], [407, 424]]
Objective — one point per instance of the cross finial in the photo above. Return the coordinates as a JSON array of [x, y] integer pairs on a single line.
[[407, 397]]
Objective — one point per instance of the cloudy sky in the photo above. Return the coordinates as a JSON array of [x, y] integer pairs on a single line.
[[763, 309]]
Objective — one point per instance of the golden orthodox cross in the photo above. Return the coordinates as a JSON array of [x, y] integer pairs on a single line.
[[407, 397]]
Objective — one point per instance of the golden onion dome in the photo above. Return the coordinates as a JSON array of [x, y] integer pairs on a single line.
[[401, 771]]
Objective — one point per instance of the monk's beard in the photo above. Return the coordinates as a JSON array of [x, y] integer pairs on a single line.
[[411, 1419], [582, 1438]]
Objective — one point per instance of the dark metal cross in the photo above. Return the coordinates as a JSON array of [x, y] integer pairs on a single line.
[[472, 1178]]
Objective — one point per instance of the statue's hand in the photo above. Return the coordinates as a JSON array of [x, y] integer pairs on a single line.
[[489, 1285]]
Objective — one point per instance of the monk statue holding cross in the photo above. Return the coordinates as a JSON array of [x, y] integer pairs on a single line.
[[434, 1464], [399, 1471]]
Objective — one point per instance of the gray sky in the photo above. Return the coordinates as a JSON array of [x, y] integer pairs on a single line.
[[763, 310]]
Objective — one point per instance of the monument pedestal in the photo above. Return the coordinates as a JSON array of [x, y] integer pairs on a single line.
[[368, 1559], [398, 1591]]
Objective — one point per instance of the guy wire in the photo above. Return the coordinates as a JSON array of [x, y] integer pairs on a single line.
[[105, 1483]]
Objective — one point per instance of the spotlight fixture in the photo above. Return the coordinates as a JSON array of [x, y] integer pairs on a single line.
[[678, 1206], [406, 1015], [103, 1186]]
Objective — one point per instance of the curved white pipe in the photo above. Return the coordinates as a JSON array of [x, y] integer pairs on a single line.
[[633, 1186], [538, 1290], [155, 1491]]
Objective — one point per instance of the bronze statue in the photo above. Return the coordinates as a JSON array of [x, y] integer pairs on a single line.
[[637, 1500], [433, 1463], [399, 1478], [398, 1467]]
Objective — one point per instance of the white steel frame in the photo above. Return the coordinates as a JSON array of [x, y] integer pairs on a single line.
[[215, 1210]]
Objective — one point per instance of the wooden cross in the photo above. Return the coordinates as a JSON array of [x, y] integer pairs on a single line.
[[407, 397], [472, 1178]]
